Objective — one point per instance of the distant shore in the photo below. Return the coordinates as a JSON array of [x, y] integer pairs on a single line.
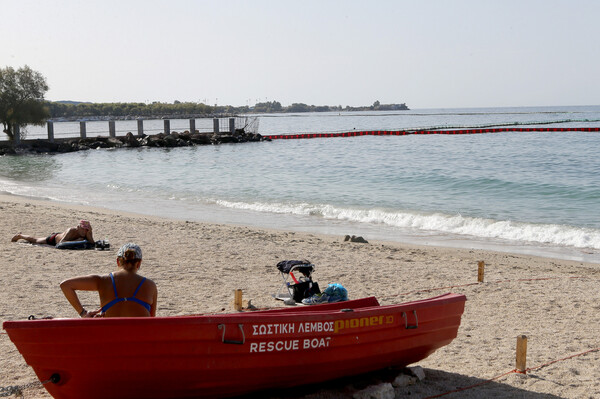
[[197, 266], [66, 110]]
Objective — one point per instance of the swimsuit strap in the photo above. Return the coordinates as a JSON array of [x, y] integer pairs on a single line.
[[134, 299], [138, 287], [113, 283], [111, 304], [139, 301], [114, 301]]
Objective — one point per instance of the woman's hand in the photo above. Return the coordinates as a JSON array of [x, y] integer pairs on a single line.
[[94, 313]]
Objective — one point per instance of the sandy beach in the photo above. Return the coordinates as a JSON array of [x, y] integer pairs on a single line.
[[197, 267]]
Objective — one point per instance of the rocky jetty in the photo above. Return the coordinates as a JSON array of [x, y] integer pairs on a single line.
[[174, 139]]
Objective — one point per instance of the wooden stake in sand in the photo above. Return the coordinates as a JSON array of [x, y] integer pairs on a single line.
[[237, 300], [522, 354], [481, 266]]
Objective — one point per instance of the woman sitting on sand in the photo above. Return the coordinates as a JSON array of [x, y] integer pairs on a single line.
[[123, 293]]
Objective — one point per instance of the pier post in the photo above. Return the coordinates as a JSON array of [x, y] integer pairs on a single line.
[[140, 123], [232, 126], [82, 131], [111, 129], [16, 135], [51, 131], [216, 125], [192, 126], [167, 126]]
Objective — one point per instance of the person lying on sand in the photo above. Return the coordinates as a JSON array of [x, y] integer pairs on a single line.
[[123, 293], [83, 231]]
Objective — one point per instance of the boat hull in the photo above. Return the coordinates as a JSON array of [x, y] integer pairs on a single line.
[[232, 354]]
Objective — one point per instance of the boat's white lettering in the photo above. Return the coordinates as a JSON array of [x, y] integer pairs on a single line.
[[275, 346], [271, 329], [318, 326], [315, 343], [322, 326], [289, 345]]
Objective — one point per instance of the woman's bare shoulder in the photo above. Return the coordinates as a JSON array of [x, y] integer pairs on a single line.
[[151, 282]]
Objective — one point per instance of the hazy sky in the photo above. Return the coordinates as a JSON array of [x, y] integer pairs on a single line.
[[427, 54]]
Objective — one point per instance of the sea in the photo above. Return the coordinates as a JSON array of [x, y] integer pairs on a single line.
[[535, 193]]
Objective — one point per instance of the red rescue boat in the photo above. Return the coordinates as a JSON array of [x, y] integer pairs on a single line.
[[231, 354]]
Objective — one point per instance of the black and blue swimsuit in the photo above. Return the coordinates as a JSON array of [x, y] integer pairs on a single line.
[[131, 298]]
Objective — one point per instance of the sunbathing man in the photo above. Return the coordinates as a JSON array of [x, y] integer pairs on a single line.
[[83, 231]]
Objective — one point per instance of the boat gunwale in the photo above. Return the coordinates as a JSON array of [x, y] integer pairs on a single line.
[[241, 317]]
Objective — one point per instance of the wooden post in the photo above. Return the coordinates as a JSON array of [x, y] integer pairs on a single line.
[[16, 135], [167, 126], [51, 131], [480, 269], [192, 126], [216, 125], [237, 300], [522, 354], [111, 129], [140, 123], [82, 131], [232, 126]]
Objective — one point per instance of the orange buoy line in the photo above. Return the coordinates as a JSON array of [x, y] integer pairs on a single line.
[[407, 132]]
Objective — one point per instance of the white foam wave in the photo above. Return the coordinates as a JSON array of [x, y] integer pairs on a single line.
[[553, 234]]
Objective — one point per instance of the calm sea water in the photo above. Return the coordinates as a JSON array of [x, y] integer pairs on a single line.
[[536, 193]]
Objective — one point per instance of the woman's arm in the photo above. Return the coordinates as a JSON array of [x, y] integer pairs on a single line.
[[83, 283], [154, 299]]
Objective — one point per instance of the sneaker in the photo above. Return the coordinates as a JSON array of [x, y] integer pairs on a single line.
[[334, 298], [316, 299]]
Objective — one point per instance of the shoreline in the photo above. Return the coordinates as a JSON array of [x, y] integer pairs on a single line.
[[383, 234], [197, 266]]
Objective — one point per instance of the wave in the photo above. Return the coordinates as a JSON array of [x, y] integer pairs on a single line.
[[412, 221]]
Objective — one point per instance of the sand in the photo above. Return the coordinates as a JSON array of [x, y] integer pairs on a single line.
[[197, 267]]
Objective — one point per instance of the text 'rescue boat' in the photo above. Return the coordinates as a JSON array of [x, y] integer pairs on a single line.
[[231, 354]]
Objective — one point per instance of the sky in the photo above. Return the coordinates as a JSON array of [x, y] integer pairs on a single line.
[[425, 53]]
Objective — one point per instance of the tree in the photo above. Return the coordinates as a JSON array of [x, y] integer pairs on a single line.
[[22, 98], [298, 107], [272, 106]]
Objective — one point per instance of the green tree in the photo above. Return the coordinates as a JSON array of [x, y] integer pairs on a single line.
[[298, 107], [269, 106], [22, 98]]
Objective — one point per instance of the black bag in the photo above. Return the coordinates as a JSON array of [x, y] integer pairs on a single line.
[[304, 289], [303, 266]]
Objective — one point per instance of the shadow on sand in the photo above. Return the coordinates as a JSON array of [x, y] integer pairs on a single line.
[[436, 383]]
